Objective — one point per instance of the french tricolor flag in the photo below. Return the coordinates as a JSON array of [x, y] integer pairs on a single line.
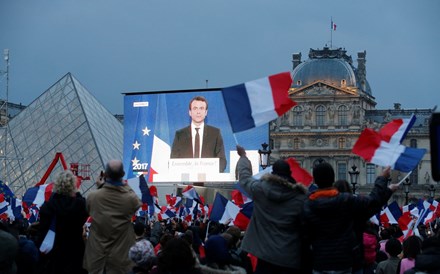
[[38, 195], [49, 239], [3, 203], [384, 148], [191, 193], [391, 214], [258, 102], [225, 211]]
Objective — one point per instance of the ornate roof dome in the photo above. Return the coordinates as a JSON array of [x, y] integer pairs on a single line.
[[332, 66]]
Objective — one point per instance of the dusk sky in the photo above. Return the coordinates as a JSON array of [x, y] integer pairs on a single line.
[[113, 47]]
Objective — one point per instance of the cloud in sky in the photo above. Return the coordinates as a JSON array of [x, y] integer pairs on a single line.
[[114, 46]]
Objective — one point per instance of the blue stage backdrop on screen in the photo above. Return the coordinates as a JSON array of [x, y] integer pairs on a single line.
[[151, 120]]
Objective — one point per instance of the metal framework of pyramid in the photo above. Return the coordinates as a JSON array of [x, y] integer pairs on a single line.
[[66, 118]]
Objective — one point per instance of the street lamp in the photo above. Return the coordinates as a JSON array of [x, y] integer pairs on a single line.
[[354, 174], [406, 185], [264, 156], [432, 191]]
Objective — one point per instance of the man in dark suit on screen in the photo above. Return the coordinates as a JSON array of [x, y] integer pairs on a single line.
[[199, 140]]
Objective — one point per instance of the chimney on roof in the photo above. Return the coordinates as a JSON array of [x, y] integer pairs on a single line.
[[361, 69], [296, 59]]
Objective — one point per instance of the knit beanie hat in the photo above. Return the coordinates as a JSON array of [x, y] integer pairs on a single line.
[[282, 169], [324, 175], [141, 252]]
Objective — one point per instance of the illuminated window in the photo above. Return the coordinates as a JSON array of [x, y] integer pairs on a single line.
[[298, 83], [343, 83]]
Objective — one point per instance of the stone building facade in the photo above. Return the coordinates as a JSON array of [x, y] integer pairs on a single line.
[[335, 103]]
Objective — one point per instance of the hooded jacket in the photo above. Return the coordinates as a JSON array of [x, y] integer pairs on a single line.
[[330, 216], [274, 232]]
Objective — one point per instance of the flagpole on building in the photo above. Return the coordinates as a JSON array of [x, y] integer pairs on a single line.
[[331, 32]]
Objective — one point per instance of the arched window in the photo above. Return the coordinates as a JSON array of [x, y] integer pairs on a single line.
[[341, 142], [296, 143], [297, 116], [343, 83], [320, 116], [342, 115]]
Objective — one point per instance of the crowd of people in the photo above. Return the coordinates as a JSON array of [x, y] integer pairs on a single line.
[[291, 231]]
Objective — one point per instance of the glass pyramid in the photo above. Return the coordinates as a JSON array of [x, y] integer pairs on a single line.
[[66, 118]]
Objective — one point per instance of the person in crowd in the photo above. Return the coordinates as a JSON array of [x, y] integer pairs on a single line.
[[66, 209], [176, 257], [142, 254], [199, 140], [370, 244], [111, 233], [274, 234], [412, 247], [389, 266], [218, 258], [428, 261], [364, 251], [330, 217], [28, 254], [238, 255], [8, 250]]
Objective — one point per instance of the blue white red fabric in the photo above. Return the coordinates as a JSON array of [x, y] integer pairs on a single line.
[[390, 214], [38, 195], [3, 204], [226, 212], [161, 150], [140, 187], [384, 148], [49, 239], [258, 102], [191, 193]]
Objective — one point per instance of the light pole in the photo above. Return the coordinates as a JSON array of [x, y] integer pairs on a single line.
[[264, 155], [406, 185], [354, 174], [432, 191]]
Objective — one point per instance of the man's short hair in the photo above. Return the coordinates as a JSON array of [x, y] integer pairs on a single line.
[[324, 175], [198, 98], [114, 170]]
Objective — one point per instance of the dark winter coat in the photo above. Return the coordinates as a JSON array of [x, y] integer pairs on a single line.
[[70, 212], [274, 232], [330, 216]]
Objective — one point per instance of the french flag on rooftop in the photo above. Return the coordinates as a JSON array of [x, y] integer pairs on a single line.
[[258, 102], [384, 148]]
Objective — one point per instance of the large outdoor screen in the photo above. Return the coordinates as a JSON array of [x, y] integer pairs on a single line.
[[151, 120]]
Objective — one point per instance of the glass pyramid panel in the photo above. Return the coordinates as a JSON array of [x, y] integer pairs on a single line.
[[66, 118]]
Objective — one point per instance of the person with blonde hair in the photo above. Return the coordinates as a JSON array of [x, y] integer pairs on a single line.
[[66, 209]]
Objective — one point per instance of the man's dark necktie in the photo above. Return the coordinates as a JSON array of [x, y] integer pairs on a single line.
[[197, 144]]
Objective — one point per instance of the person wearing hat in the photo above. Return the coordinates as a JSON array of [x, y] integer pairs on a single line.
[[330, 217], [274, 232]]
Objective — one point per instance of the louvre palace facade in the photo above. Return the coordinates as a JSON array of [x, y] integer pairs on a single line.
[[335, 103]]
